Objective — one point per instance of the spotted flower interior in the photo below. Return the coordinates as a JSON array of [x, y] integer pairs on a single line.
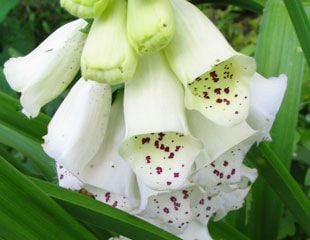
[[222, 94], [162, 160]]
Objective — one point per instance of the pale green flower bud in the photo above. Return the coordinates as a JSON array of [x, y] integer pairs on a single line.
[[108, 56], [85, 8], [150, 25]]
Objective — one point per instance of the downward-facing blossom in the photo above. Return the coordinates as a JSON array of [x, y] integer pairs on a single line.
[[215, 76], [45, 72], [158, 144]]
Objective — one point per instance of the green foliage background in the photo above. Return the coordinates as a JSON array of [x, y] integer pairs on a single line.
[[24, 24]]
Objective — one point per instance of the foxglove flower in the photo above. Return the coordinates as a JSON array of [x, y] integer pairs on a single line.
[[158, 144], [108, 56], [85, 8], [215, 76], [150, 24], [45, 72], [78, 127]]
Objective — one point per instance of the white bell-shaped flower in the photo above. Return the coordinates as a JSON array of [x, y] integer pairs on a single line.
[[45, 72]]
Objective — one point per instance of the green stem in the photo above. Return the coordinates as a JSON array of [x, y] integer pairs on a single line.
[[301, 23], [246, 4], [280, 180]]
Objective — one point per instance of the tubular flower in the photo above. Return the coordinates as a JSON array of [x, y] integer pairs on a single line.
[[45, 72], [108, 56], [78, 127], [157, 143], [85, 8], [156, 29], [215, 77]]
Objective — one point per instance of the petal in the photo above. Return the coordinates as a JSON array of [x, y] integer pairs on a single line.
[[108, 56], [150, 24], [78, 127], [69, 181], [216, 139], [226, 168], [85, 9], [223, 199], [107, 170], [221, 94], [171, 210], [196, 231], [215, 77], [44, 73], [113, 199], [266, 98], [157, 145]]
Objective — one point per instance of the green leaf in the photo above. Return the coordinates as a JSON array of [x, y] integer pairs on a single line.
[[28, 213], [278, 51], [28, 146], [301, 24], [10, 112], [102, 216], [6, 7], [281, 181]]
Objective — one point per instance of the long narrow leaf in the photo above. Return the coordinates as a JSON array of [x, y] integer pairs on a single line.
[[278, 51], [10, 112], [12, 137], [301, 23], [279, 178], [28, 213]]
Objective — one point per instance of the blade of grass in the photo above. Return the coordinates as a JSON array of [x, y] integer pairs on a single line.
[[28, 213], [279, 178], [301, 23], [14, 138], [10, 112], [278, 51]]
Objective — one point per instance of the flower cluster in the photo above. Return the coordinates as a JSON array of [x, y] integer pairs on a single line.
[[168, 148]]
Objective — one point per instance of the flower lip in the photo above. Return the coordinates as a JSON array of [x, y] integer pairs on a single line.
[[162, 160]]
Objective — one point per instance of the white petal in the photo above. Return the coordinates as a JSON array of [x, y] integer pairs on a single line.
[[67, 179], [150, 25], [266, 98], [171, 210], [85, 9], [196, 231], [78, 127], [107, 170], [113, 199], [217, 139], [226, 168], [215, 77], [157, 145], [44, 73], [108, 56]]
